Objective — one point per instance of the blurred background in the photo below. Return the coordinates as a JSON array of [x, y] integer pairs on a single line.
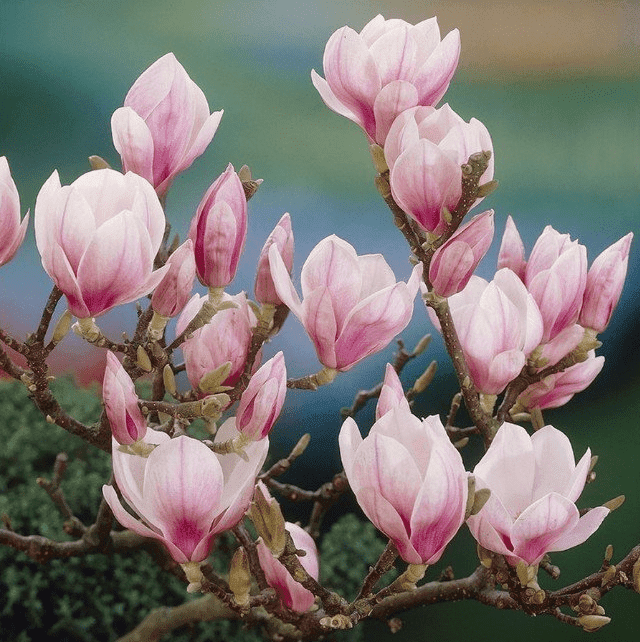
[[557, 83]]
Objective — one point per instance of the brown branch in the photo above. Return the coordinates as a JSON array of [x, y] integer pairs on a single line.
[[47, 314], [382, 566], [73, 526], [162, 621]]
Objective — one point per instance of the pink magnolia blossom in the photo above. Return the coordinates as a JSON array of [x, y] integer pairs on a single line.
[[13, 230], [121, 403], [409, 480], [388, 67], [262, 401], [183, 493], [556, 389], [227, 337], [282, 238], [499, 325], [219, 229], [164, 125], [555, 274], [534, 483], [455, 262], [173, 292], [425, 150], [352, 305], [98, 238], [392, 393], [604, 285], [292, 593]]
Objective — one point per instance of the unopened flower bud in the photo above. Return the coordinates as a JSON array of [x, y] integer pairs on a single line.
[[593, 622], [240, 577], [268, 520]]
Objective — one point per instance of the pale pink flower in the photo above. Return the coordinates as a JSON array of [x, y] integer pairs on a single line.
[[282, 238], [352, 305], [604, 285], [121, 403], [392, 393], [499, 325], [556, 276], [534, 483], [262, 401], [98, 238], [227, 337], [454, 263], [556, 389], [388, 67], [219, 229], [173, 292], [183, 493], [13, 230], [292, 593], [409, 480], [164, 125], [425, 150]]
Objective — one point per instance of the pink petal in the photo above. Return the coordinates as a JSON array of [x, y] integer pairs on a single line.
[[586, 526], [133, 141], [508, 467], [393, 99], [349, 440], [541, 524]]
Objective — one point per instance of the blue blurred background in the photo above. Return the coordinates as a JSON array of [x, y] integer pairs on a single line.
[[557, 83]]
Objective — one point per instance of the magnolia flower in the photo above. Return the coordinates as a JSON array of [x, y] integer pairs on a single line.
[[219, 229], [604, 285], [454, 262], [499, 325], [183, 493], [534, 483], [292, 593], [262, 401], [282, 238], [388, 67], [409, 480], [555, 274], [173, 292], [13, 230], [556, 389], [352, 305], [226, 338], [121, 403], [164, 125], [425, 151], [98, 238]]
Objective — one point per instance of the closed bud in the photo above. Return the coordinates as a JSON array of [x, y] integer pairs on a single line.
[[267, 517], [263, 399], [593, 622], [173, 292], [455, 262], [121, 403], [604, 285], [240, 577], [219, 230], [282, 238]]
